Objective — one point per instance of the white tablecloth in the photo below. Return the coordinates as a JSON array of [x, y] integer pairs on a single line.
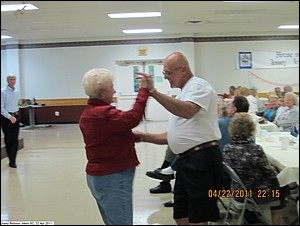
[[269, 126], [287, 161]]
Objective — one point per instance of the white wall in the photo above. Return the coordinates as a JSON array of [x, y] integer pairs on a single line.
[[10, 64], [217, 63], [3, 68], [46, 73], [57, 72]]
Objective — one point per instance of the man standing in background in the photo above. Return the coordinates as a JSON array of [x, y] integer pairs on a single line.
[[10, 118]]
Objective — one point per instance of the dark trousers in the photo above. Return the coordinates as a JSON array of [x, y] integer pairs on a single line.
[[11, 135]]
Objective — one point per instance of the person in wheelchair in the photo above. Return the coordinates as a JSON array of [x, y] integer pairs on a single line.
[[250, 163]]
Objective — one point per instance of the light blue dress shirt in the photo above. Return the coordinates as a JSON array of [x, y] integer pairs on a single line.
[[9, 101]]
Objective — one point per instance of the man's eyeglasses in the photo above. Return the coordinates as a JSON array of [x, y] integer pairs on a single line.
[[167, 72], [170, 72]]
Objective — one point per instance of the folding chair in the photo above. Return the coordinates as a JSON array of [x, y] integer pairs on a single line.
[[248, 203]]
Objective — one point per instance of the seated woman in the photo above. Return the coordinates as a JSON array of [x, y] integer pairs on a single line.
[[288, 120], [282, 108], [268, 104], [250, 163], [269, 113]]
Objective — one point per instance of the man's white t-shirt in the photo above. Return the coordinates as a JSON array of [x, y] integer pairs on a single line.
[[253, 108], [184, 134]]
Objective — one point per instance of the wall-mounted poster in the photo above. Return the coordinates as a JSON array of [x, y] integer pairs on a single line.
[[135, 80], [245, 60]]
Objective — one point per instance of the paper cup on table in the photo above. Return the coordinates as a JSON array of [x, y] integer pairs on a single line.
[[284, 141]]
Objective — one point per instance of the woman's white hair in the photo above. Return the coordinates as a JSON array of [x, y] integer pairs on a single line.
[[95, 80], [294, 96]]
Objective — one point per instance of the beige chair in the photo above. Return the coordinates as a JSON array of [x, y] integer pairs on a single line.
[[238, 208]]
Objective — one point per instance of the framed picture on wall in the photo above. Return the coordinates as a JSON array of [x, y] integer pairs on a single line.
[[245, 60]]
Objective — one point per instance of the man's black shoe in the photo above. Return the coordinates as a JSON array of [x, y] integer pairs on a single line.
[[169, 204], [161, 188], [164, 177], [251, 217], [12, 165], [153, 174]]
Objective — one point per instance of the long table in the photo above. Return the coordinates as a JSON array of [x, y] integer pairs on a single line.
[[31, 109], [286, 160]]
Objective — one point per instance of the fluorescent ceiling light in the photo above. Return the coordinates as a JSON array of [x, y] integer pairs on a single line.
[[137, 31], [5, 37], [288, 27], [134, 15], [17, 7], [244, 1]]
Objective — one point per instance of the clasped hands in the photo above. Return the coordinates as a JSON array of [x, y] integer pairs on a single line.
[[145, 80]]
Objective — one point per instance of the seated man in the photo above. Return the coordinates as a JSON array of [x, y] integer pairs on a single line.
[[165, 185]]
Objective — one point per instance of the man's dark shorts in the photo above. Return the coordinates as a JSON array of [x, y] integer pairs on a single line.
[[196, 175]]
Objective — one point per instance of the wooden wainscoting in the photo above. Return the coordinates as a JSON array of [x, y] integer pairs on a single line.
[[53, 114], [67, 110], [65, 101]]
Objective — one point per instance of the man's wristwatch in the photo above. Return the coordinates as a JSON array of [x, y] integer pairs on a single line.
[[153, 90]]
